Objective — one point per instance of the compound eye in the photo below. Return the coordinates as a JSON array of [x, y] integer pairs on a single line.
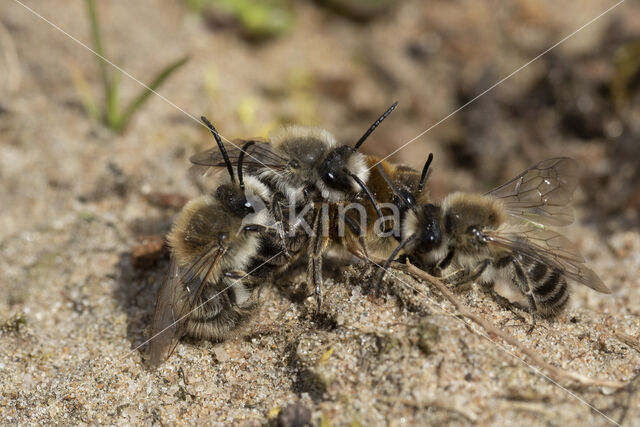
[[247, 208]]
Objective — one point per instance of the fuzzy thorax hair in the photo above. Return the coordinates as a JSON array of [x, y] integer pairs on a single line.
[[292, 133], [475, 209]]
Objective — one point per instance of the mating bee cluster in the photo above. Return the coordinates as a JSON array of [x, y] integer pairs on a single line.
[[292, 198]]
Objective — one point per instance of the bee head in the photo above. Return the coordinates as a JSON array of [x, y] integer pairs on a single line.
[[338, 168], [234, 200], [247, 196], [316, 159], [425, 225], [344, 169], [430, 233]]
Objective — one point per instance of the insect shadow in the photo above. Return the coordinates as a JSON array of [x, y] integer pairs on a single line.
[[140, 271]]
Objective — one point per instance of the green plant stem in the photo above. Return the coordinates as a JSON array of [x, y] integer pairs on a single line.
[[112, 112], [143, 96], [97, 45]]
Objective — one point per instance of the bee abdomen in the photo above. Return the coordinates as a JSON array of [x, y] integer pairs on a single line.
[[550, 289], [221, 310], [218, 327]]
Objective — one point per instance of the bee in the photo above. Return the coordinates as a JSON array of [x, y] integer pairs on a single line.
[[503, 234], [208, 291], [395, 189], [403, 188], [304, 164], [305, 168], [400, 187]]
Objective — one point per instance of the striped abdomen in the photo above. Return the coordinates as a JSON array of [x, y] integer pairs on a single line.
[[549, 287], [222, 308]]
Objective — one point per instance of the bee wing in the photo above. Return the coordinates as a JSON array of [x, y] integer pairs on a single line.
[[540, 194], [172, 298], [551, 249], [258, 155], [177, 298]]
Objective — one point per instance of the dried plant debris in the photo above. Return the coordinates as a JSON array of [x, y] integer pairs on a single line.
[[167, 200], [148, 252], [492, 330], [14, 324], [631, 341]]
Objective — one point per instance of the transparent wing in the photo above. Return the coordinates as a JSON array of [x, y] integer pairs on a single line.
[[259, 155], [540, 194], [551, 249], [178, 295]]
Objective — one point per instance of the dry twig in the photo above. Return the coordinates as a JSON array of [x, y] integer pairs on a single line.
[[534, 357]]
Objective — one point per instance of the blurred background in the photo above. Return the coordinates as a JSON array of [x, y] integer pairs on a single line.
[[90, 165], [252, 66]]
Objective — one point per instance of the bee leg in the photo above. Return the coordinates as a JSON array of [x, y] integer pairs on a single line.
[[503, 302], [463, 275], [237, 279], [446, 262], [456, 278], [477, 272], [276, 204], [240, 311], [389, 260], [254, 228], [355, 229], [314, 268], [245, 278], [317, 279], [524, 284], [235, 274]]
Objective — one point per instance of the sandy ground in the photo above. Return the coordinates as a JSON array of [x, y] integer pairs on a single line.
[[76, 198]]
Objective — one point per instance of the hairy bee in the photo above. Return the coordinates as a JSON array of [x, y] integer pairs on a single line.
[[303, 164], [209, 291], [350, 227], [503, 234], [304, 169], [397, 188]]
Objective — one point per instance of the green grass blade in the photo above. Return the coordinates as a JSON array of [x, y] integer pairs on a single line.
[[96, 35], [82, 87], [112, 111], [139, 101]]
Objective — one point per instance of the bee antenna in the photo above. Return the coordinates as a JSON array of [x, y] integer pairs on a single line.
[[367, 192], [425, 172], [393, 256], [223, 150], [243, 151], [375, 125], [393, 187]]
